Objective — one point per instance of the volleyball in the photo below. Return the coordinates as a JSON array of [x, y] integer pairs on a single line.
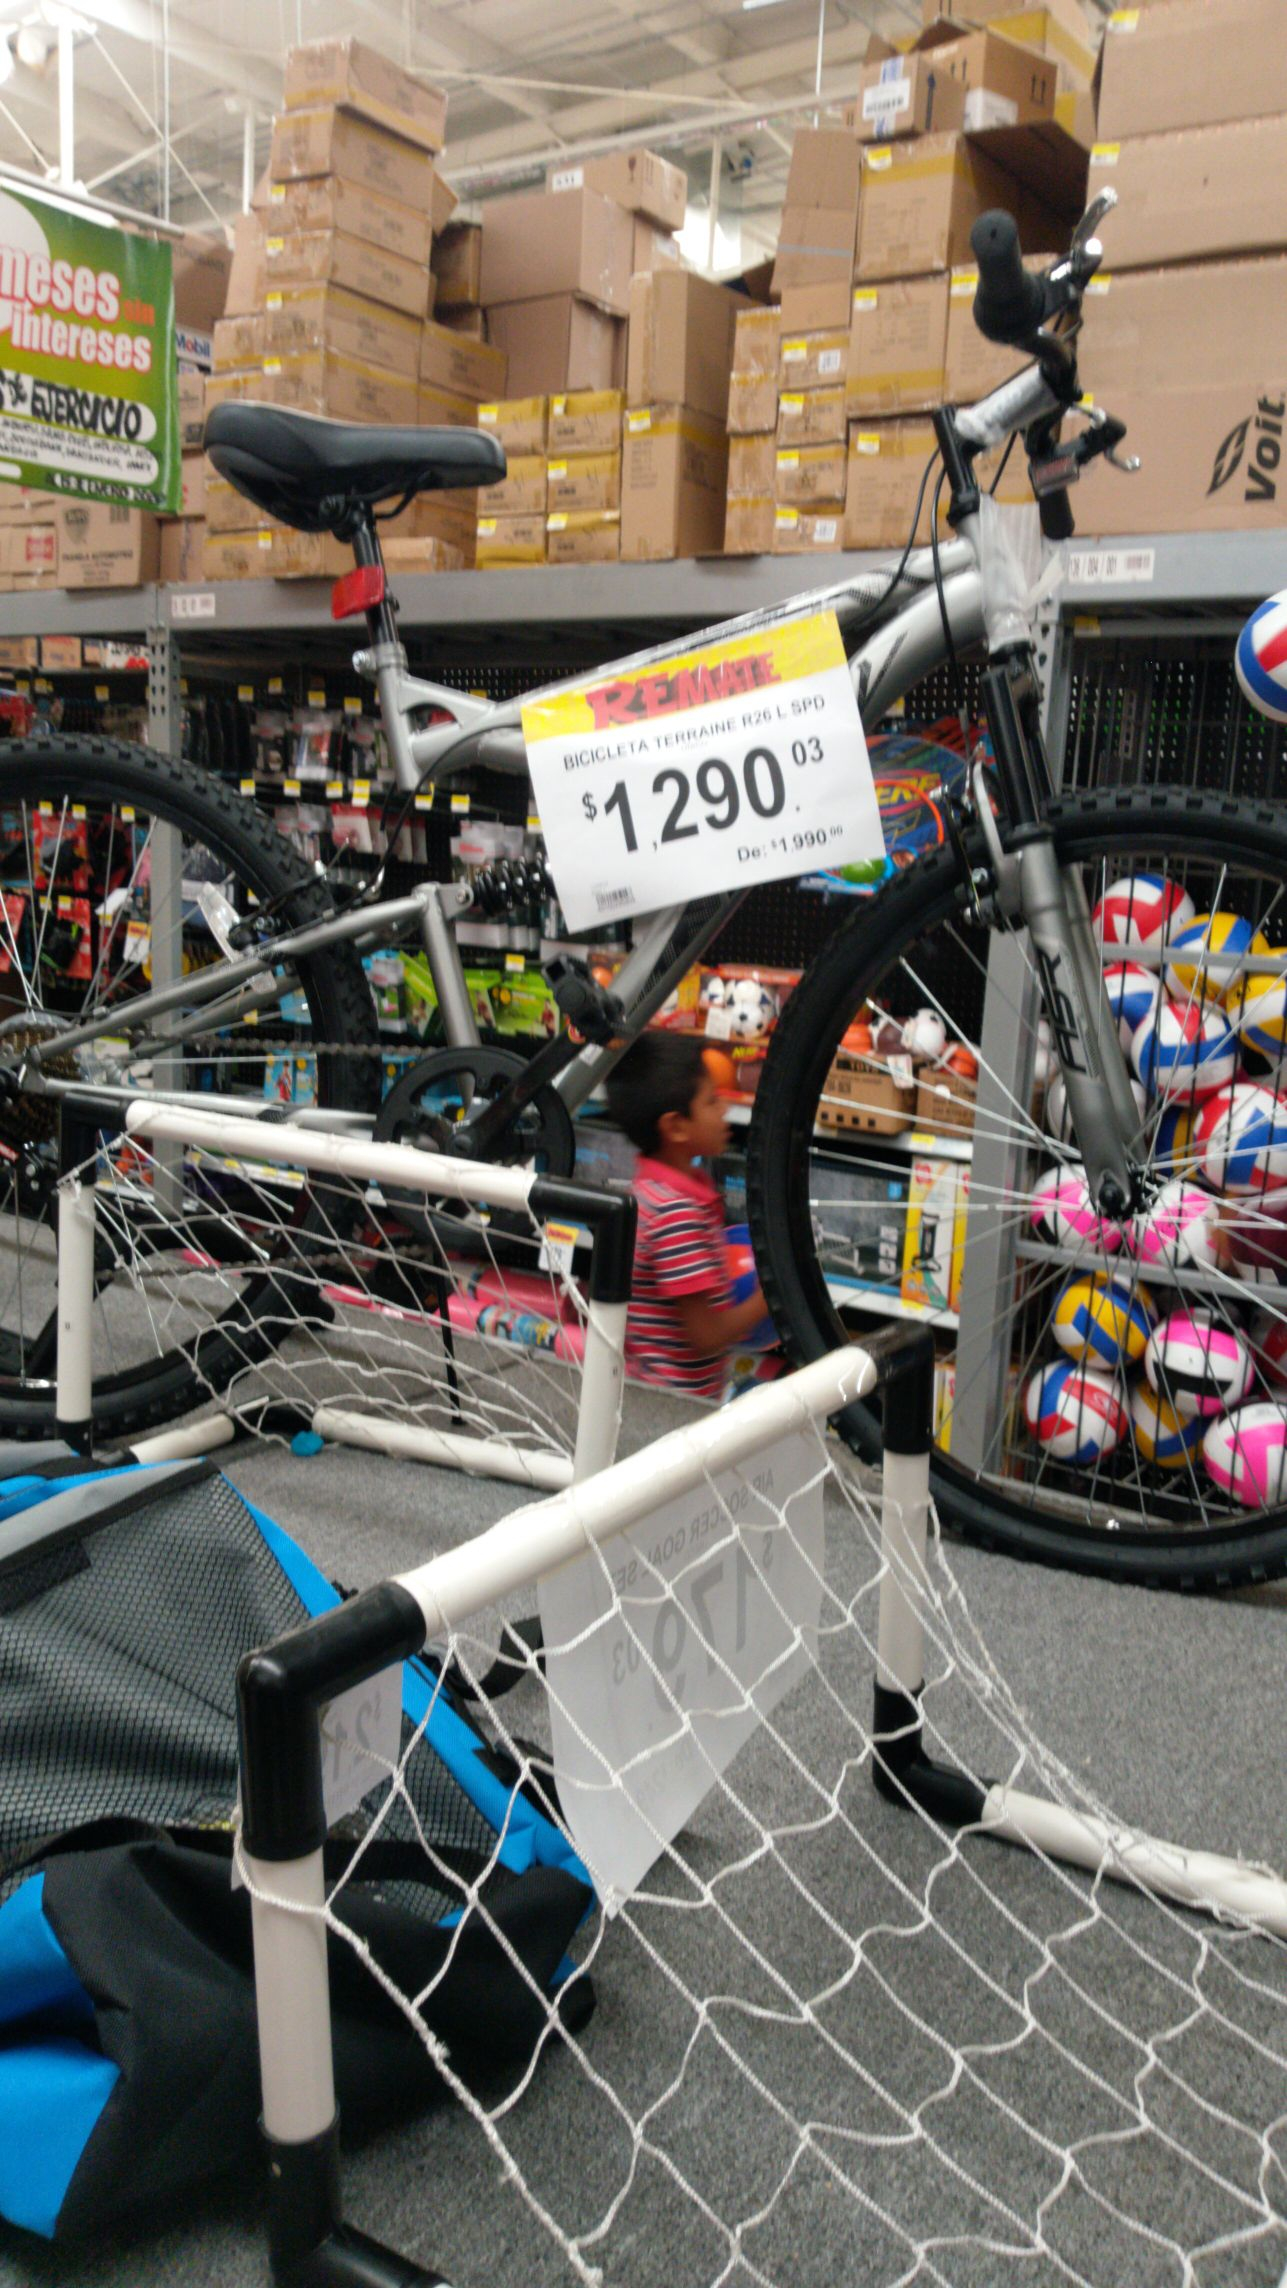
[[1260, 660], [1141, 911], [1201, 1365], [1058, 1117], [1076, 1415], [1132, 993], [1063, 1214], [1103, 1321], [1172, 1148], [1163, 1437], [1206, 934], [1180, 1227], [1257, 1005], [1240, 1138], [1246, 1453], [1267, 1336], [1253, 1228], [1184, 1049]]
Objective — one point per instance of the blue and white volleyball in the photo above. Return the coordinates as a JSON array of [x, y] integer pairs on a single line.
[[1132, 993], [1185, 1049], [1240, 1138], [1142, 910], [1075, 1413], [1161, 1436], [1260, 661], [1191, 971]]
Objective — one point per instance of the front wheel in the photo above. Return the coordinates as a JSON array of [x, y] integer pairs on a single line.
[[1112, 1399]]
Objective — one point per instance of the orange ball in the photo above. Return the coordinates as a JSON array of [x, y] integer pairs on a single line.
[[721, 1068]]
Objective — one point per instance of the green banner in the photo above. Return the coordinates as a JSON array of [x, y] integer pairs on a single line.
[[88, 393]]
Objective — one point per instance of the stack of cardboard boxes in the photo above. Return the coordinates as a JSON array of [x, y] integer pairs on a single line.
[[752, 432], [674, 466], [812, 275], [1185, 335]]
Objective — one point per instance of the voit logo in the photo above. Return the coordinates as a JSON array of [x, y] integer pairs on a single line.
[[1252, 451]]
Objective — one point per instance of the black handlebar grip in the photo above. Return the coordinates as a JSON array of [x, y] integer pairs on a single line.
[[1009, 303], [1057, 520]]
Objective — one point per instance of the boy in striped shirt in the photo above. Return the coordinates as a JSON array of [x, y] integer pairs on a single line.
[[682, 1322]]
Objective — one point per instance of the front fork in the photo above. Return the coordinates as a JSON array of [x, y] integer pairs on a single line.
[[1050, 900]]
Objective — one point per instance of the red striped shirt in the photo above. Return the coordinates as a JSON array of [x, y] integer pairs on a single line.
[[679, 1251]]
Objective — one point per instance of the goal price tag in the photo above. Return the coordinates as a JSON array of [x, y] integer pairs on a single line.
[[743, 762], [693, 1609], [361, 1741]]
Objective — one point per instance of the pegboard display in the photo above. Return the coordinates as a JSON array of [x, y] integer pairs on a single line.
[[1169, 710]]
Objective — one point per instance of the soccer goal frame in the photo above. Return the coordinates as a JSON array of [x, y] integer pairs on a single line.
[[169, 1128], [282, 1689]]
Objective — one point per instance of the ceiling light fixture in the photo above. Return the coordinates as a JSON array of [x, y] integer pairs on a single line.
[[762, 3]]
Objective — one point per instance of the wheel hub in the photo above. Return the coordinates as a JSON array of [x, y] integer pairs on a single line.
[[28, 1121]]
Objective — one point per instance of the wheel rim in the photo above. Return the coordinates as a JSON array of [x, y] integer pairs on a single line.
[[78, 901], [1117, 1509]]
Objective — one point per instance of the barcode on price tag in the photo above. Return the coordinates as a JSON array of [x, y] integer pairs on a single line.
[[742, 762]]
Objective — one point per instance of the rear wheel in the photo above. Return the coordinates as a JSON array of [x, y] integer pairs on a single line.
[[1033, 1458], [85, 886]]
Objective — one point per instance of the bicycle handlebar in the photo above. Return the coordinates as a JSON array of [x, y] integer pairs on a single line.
[[1010, 303]]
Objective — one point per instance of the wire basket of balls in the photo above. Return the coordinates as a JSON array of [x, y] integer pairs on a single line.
[[1157, 1346]]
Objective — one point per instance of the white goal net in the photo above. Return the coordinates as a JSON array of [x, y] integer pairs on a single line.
[[837, 2037]]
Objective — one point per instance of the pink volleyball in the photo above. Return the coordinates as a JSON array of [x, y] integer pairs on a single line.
[[1063, 1213], [1246, 1453], [1197, 1362], [1180, 1228]]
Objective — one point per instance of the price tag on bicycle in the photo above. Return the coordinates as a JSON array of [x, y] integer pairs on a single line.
[[738, 763]]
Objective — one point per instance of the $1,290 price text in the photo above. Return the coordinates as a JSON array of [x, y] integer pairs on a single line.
[[718, 795]]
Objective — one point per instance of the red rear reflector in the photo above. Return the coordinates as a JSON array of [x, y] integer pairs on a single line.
[[358, 591]]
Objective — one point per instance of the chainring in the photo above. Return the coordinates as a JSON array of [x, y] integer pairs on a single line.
[[432, 1104]]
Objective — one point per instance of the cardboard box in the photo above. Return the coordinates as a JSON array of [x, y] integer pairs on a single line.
[[536, 245], [329, 258], [192, 409], [945, 1101], [812, 416], [61, 655], [815, 309], [886, 462], [583, 536], [557, 343], [236, 555], [520, 423], [226, 509], [864, 1097], [905, 95], [584, 480], [23, 504], [639, 180], [1161, 326], [237, 343], [815, 247], [457, 264], [193, 471], [103, 545], [17, 652], [825, 170], [1198, 192], [1060, 32], [248, 277], [1075, 114], [307, 555], [812, 361], [897, 345], [442, 409], [755, 341], [922, 198], [327, 202], [811, 476], [510, 540], [1190, 64], [199, 266], [469, 369], [805, 532], [752, 404], [681, 342], [360, 79], [1213, 459], [748, 524], [586, 421], [244, 382], [673, 481], [321, 381], [426, 555], [752, 466], [1003, 85], [472, 323], [182, 542], [654, 248], [324, 141], [299, 318], [30, 552], [523, 492]]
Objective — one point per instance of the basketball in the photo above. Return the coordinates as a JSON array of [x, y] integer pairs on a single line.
[[1240, 1138], [1260, 660], [1062, 1213], [1100, 1320], [1163, 1437], [1077, 1416], [1201, 1365], [1246, 1453], [1141, 910], [1181, 1227], [1184, 1049], [1132, 993], [743, 1278], [1209, 933]]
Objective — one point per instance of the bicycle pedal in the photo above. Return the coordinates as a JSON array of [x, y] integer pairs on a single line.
[[596, 1013]]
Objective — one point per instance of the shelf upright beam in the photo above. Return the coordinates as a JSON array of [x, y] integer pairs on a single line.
[[165, 890]]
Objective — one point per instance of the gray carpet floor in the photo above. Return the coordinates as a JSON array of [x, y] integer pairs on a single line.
[[1171, 1710]]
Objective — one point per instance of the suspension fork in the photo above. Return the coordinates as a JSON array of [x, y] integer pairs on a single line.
[[1051, 901]]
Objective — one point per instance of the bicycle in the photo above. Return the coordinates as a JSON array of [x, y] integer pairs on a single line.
[[992, 930]]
